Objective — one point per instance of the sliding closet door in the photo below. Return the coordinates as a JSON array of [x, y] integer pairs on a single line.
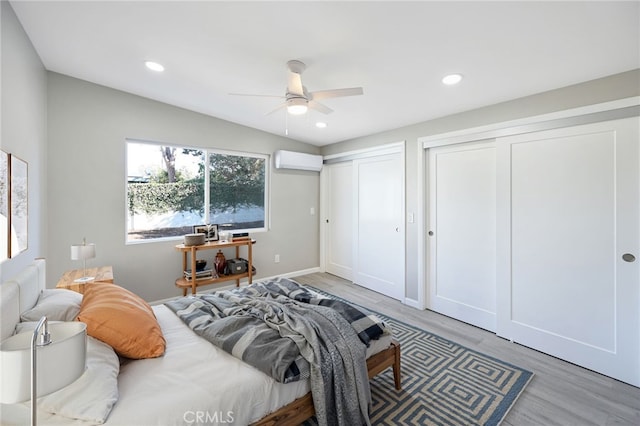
[[379, 260], [339, 219], [568, 277], [462, 232]]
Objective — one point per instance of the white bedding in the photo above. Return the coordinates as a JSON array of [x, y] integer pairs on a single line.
[[193, 380], [187, 382], [193, 383]]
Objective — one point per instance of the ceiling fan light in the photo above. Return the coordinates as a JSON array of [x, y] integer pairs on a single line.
[[297, 106]]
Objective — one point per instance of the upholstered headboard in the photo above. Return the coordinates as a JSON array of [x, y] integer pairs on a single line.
[[19, 294]]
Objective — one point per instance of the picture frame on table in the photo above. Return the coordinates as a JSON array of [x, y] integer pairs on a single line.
[[210, 231]]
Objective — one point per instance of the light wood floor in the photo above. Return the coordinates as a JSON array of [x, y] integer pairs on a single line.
[[560, 393]]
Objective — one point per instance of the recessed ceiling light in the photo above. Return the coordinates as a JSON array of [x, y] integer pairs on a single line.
[[321, 125], [452, 79], [154, 66]]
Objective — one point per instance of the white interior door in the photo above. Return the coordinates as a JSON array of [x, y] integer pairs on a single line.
[[379, 249], [339, 219], [462, 232], [569, 223]]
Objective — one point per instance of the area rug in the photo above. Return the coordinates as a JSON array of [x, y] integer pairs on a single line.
[[443, 383]]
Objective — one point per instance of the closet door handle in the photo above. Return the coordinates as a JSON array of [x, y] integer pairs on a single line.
[[628, 257]]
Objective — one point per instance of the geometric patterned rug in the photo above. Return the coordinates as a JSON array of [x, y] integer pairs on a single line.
[[443, 383]]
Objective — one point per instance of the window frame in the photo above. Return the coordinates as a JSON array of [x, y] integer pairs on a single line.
[[206, 183]]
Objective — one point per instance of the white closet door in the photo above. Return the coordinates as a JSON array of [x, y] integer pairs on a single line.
[[569, 224], [379, 258], [462, 232], [339, 220]]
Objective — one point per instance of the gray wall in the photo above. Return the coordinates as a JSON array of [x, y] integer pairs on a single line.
[[610, 88], [87, 128], [72, 135], [23, 120]]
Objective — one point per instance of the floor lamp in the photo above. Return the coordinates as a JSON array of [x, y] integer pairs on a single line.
[[34, 364]]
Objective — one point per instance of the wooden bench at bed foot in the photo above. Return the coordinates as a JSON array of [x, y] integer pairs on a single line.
[[302, 408]]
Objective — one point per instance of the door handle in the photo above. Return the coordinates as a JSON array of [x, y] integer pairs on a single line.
[[628, 257]]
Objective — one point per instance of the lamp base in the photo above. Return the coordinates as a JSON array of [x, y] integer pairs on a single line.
[[84, 279]]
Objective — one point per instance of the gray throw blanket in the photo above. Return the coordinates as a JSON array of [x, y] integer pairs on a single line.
[[289, 333]]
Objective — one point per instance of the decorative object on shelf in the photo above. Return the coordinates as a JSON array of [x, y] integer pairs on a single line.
[[59, 348], [195, 239], [210, 231], [237, 266], [200, 275], [220, 262], [225, 236], [83, 252], [200, 264], [240, 236]]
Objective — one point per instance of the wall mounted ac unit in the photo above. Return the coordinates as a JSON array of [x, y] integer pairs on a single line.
[[297, 161]]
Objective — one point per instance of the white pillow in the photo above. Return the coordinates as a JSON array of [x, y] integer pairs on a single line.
[[93, 395], [56, 304]]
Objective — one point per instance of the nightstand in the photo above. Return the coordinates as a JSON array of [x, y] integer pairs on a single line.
[[103, 275]]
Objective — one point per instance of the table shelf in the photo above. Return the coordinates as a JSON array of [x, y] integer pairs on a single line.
[[194, 283]]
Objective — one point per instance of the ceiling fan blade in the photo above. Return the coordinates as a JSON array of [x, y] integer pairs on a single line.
[[335, 93], [319, 107], [251, 94], [294, 86], [278, 108]]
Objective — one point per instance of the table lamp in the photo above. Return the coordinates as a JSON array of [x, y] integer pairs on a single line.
[[83, 252], [38, 363]]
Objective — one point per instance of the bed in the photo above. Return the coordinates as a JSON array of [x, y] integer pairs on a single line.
[[193, 382]]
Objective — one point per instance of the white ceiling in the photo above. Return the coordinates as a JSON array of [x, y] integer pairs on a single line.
[[397, 51]]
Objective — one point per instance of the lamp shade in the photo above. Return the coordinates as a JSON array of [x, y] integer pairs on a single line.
[[58, 364], [83, 251]]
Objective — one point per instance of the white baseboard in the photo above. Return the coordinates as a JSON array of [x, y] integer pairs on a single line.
[[295, 274]]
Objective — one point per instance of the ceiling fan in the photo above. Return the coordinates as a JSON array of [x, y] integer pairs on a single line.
[[298, 100]]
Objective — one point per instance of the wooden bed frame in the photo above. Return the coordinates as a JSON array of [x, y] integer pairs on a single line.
[[21, 293], [302, 408]]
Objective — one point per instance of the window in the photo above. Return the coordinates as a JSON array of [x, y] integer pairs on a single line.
[[171, 188]]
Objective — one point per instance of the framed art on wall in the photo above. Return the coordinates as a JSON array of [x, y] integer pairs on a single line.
[[18, 199], [4, 206]]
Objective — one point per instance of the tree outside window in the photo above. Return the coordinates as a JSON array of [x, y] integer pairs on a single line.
[[167, 188]]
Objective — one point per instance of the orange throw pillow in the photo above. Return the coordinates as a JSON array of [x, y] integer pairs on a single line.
[[122, 320]]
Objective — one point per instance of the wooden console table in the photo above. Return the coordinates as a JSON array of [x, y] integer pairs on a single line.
[[193, 282], [103, 274]]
